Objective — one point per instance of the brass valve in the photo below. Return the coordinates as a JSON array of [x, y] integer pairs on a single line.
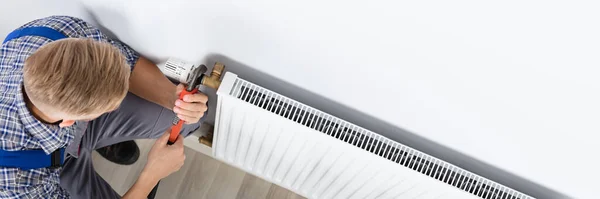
[[214, 79]]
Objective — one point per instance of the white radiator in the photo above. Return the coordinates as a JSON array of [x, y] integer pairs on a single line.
[[320, 156]]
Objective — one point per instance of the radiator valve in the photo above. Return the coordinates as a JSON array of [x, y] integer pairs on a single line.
[[214, 79], [191, 74]]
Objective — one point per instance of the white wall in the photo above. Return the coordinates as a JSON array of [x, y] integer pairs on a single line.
[[511, 83]]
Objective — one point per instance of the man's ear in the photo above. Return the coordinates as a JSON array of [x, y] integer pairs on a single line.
[[66, 123]]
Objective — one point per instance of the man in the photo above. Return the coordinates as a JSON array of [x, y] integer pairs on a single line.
[[68, 88]]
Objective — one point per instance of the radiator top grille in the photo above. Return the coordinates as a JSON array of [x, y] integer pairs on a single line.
[[372, 142]]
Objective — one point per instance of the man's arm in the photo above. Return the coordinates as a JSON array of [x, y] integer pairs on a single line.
[[141, 188], [148, 82], [163, 160]]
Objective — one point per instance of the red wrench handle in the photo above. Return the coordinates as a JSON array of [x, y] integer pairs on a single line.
[[176, 129]]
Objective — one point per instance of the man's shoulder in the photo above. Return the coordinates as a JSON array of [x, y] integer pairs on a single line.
[[14, 52], [11, 77], [68, 25], [56, 22], [11, 127]]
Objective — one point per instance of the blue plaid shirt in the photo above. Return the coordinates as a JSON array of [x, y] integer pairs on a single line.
[[19, 129]]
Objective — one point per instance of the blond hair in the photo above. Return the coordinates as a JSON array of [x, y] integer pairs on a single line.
[[77, 76]]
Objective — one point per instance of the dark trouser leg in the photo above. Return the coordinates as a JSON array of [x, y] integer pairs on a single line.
[[136, 118]]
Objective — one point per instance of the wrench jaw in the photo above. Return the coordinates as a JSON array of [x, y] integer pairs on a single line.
[[195, 77]]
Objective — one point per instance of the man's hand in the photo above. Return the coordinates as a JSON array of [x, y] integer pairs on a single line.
[[164, 159], [192, 107]]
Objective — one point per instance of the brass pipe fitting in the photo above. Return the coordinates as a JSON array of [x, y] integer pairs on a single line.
[[206, 131], [206, 140], [214, 79]]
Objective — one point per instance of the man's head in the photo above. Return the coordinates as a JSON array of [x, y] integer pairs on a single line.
[[76, 79]]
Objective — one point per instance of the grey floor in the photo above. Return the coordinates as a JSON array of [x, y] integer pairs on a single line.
[[200, 177]]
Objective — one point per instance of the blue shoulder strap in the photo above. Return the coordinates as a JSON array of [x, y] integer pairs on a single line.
[[35, 31], [33, 159]]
